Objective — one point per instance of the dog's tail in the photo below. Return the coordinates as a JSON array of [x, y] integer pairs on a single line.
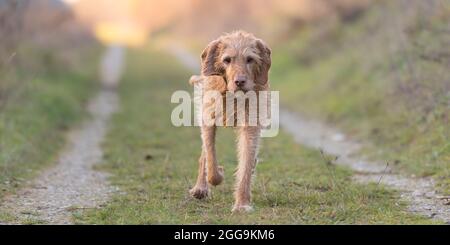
[[195, 79]]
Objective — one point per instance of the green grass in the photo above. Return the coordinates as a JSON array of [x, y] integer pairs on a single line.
[[154, 164], [40, 107], [385, 86]]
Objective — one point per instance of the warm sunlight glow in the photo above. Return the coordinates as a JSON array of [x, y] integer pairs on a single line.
[[127, 22], [130, 22], [115, 33], [70, 1]]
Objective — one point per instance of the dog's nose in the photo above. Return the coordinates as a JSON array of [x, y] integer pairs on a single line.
[[240, 81]]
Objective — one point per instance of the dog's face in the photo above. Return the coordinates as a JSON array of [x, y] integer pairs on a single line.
[[240, 58]]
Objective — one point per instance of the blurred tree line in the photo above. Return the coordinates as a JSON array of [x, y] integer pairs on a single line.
[[273, 20], [206, 19], [35, 36]]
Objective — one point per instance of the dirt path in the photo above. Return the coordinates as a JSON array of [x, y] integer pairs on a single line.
[[73, 184], [419, 193]]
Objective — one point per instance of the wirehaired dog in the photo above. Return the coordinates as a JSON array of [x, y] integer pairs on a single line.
[[235, 62]]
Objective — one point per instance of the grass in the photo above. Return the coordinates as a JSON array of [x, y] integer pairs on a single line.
[[154, 164], [383, 79], [36, 114]]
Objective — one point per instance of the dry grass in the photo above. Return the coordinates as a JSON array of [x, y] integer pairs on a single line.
[[47, 71], [383, 78], [37, 36]]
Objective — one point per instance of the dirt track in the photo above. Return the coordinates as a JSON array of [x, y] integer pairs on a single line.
[[418, 192], [73, 183]]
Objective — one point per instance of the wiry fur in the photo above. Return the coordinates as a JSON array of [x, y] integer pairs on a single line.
[[249, 57]]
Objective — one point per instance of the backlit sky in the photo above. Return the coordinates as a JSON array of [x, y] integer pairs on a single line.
[[131, 21]]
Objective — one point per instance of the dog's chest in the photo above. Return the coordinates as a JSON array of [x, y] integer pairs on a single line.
[[224, 109]]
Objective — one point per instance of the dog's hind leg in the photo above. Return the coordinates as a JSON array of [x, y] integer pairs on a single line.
[[200, 190], [214, 172]]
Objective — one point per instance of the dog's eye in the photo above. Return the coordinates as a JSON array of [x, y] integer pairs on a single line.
[[227, 60], [250, 60]]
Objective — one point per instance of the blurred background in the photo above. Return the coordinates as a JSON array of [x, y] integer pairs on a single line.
[[58, 29], [378, 69]]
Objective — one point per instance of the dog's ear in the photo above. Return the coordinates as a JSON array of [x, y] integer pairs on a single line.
[[266, 61], [209, 59]]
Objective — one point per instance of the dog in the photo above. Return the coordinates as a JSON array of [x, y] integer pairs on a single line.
[[236, 62]]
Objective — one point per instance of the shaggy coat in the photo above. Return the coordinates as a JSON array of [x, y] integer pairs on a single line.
[[234, 62]]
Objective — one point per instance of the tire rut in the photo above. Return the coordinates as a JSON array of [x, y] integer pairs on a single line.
[[419, 193], [73, 184]]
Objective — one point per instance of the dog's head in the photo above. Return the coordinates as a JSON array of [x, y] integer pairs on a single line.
[[240, 58]]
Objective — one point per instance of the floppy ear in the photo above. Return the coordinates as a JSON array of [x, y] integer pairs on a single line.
[[209, 59], [266, 61]]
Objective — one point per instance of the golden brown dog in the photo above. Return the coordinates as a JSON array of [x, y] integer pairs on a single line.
[[241, 62]]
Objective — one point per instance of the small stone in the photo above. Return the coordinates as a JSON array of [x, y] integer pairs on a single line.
[[338, 137], [148, 157], [443, 197]]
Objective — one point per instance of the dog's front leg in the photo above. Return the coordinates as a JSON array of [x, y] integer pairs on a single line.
[[200, 190], [248, 140], [207, 164], [214, 172]]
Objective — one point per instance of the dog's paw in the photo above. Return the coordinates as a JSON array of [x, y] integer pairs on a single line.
[[217, 178], [199, 193], [242, 209]]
